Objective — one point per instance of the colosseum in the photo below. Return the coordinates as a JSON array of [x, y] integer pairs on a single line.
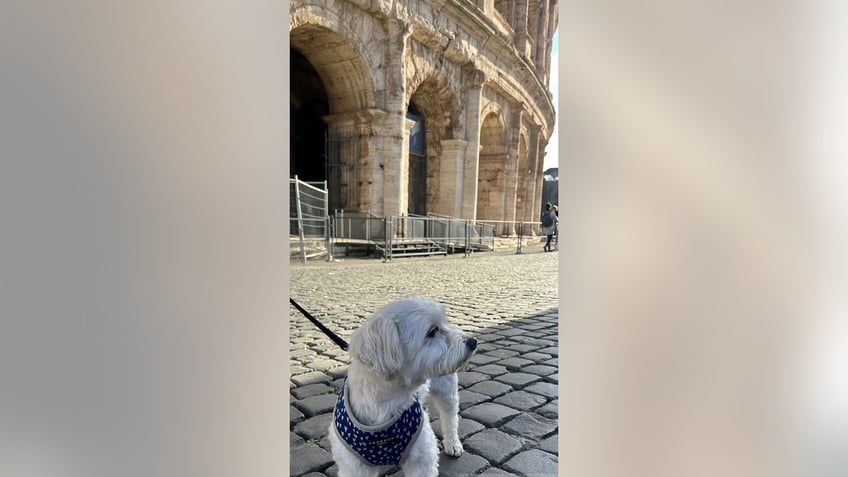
[[426, 106]]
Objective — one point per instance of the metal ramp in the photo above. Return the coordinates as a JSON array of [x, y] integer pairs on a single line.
[[413, 248]]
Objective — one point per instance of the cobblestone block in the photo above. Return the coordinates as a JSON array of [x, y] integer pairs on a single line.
[[490, 388], [495, 472], [470, 398], [489, 414], [536, 334], [482, 359], [512, 332], [324, 364], [315, 405], [551, 444], [311, 390], [494, 445], [491, 369], [554, 378], [545, 389], [336, 352], [310, 378], [521, 400], [533, 463], [522, 348], [465, 465], [295, 415], [551, 350], [314, 427], [536, 357], [502, 353], [514, 364], [298, 354], [539, 369], [549, 410], [308, 458], [489, 338], [468, 378], [295, 370], [324, 443], [541, 343], [537, 326], [518, 380], [531, 425], [338, 372]]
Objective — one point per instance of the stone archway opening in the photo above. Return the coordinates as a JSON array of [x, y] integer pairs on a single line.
[[491, 178], [329, 90], [309, 104], [417, 188], [432, 119]]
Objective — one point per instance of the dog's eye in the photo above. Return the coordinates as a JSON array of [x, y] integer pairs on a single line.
[[432, 332]]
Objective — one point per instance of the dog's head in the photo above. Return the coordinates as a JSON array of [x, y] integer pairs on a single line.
[[411, 340]]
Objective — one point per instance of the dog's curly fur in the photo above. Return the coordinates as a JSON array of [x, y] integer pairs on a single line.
[[405, 349]]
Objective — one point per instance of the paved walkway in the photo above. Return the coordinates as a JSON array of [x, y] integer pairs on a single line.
[[508, 394]]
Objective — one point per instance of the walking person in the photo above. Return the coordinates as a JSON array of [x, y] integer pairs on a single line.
[[549, 220], [556, 227]]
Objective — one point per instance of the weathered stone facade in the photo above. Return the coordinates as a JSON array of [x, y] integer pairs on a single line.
[[365, 73]]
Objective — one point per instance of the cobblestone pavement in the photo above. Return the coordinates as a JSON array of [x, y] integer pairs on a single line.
[[508, 393]]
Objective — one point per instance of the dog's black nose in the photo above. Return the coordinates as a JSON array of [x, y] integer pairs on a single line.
[[471, 343]]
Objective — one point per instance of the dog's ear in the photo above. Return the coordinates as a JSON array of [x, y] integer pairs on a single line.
[[377, 344]]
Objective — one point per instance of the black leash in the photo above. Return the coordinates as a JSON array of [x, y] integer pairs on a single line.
[[336, 339]]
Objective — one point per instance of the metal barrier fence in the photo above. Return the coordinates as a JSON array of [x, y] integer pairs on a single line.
[[397, 235], [308, 216], [517, 231], [411, 234], [471, 233], [358, 226]]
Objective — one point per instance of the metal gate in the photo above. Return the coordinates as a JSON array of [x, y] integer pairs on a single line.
[[308, 217], [342, 158]]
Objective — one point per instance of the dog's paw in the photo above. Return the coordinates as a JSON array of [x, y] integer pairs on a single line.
[[453, 448]]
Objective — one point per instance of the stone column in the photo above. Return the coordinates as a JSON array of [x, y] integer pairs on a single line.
[[540, 176], [473, 96], [450, 177], [511, 168], [362, 180], [395, 132], [403, 177], [523, 42], [531, 178], [542, 34]]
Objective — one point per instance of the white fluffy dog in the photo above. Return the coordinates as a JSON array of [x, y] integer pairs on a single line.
[[400, 354]]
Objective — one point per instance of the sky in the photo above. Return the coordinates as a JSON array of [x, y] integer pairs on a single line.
[[552, 158]]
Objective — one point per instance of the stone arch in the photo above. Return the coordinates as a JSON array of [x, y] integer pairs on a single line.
[[491, 185], [436, 104], [438, 83], [339, 65], [330, 88]]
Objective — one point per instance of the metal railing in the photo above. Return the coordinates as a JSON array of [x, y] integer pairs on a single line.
[[411, 234], [396, 235]]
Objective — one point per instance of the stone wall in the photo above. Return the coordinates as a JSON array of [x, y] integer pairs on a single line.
[[476, 71]]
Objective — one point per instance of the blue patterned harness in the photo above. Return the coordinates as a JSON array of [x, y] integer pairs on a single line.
[[386, 444]]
